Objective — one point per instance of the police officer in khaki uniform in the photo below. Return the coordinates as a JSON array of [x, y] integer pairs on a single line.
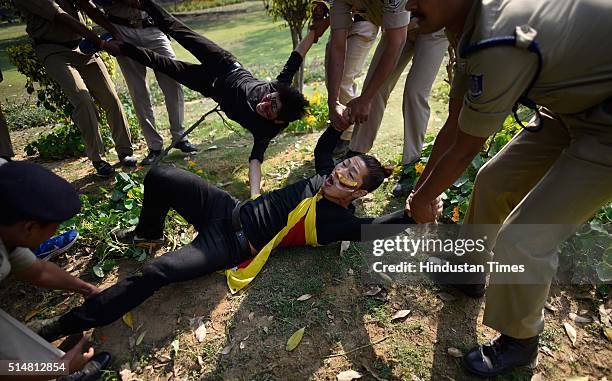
[[426, 51], [542, 184], [56, 29], [134, 26], [393, 17]]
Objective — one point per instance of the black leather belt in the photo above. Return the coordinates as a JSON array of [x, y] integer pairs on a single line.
[[68, 44], [237, 225], [132, 23]]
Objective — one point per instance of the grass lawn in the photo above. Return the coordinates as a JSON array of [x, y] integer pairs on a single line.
[[348, 325]]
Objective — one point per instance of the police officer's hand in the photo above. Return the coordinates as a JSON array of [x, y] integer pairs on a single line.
[[319, 26], [360, 109], [75, 357], [91, 291], [113, 47], [336, 116], [423, 212]]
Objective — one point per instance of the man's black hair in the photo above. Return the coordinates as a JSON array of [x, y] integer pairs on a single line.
[[377, 173], [293, 104]]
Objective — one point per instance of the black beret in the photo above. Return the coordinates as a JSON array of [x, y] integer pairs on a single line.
[[29, 191]]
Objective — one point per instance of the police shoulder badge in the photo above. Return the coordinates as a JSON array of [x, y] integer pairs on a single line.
[[476, 87]]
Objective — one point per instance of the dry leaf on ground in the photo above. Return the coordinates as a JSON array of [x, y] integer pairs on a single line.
[[571, 332], [348, 375], [128, 319], [374, 290], [579, 319], [304, 297], [537, 377], [456, 353], [400, 314], [200, 333], [295, 339]]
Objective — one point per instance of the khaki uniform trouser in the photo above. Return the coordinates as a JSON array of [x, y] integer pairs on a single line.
[[6, 147], [81, 76], [426, 52], [553, 180], [361, 37], [135, 78]]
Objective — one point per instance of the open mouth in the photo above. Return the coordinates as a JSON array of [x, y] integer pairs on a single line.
[[329, 181]]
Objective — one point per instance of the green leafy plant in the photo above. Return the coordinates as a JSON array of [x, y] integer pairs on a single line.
[[316, 116]]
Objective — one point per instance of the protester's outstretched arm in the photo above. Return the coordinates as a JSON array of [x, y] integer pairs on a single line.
[[323, 152], [48, 275], [255, 177], [94, 13]]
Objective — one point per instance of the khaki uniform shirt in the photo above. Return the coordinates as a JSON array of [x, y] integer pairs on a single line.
[[577, 69], [39, 15], [388, 14], [119, 9]]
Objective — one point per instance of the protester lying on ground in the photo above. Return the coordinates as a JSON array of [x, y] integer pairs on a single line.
[[313, 211], [264, 108], [33, 202]]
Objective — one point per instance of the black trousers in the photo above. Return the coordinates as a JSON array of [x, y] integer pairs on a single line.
[[216, 247], [215, 61]]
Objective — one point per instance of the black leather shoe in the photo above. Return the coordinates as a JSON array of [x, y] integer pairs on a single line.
[[151, 157], [127, 160], [103, 169], [129, 237], [501, 356], [186, 147], [48, 329], [92, 370]]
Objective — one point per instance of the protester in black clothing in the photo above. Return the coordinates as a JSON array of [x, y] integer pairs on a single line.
[[229, 232], [264, 108]]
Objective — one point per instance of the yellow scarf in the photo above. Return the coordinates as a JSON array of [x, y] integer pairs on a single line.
[[237, 278]]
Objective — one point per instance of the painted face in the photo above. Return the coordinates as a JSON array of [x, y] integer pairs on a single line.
[[346, 178], [270, 106], [433, 15]]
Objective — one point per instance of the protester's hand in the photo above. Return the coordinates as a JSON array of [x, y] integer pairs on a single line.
[[113, 47], [319, 26], [336, 116], [423, 212], [75, 357], [360, 109]]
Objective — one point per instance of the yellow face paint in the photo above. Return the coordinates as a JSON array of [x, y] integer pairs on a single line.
[[347, 182]]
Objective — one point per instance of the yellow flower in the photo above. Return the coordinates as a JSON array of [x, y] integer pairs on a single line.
[[455, 217], [311, 119], [199, 171], [191, 163], [419, 168], [316, 98]]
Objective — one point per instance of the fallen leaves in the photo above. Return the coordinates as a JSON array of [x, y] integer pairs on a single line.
[[579, 319], [537, 377], [200, 333], [140, 337], [571, 333], [454, 352], [400, 314], [372, 291], [128, 319], [31, 314], [304, 297], [348, 375], [227, 349], [344, 245], [547, 351], [295, 339], [608, 333]]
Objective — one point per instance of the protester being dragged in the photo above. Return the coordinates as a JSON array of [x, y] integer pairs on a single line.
[[33, 202], [264, 108], [233, 235]]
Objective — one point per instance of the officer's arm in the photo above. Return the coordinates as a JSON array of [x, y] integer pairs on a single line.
[[395, 40], [449, 168], [77, 27], [335, 66], [255, 177], [445, 139], [98, 17], [47, 275]]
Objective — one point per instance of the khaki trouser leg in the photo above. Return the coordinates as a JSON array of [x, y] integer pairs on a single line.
[[6, 147], [102, 88], [365, 133], [429, 52], [61, 67], [567, 183], [361, 37]]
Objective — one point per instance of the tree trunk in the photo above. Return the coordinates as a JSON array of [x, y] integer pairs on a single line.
[[298, 79]]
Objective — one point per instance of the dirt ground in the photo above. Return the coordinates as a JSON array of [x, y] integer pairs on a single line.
[[348, 324]]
